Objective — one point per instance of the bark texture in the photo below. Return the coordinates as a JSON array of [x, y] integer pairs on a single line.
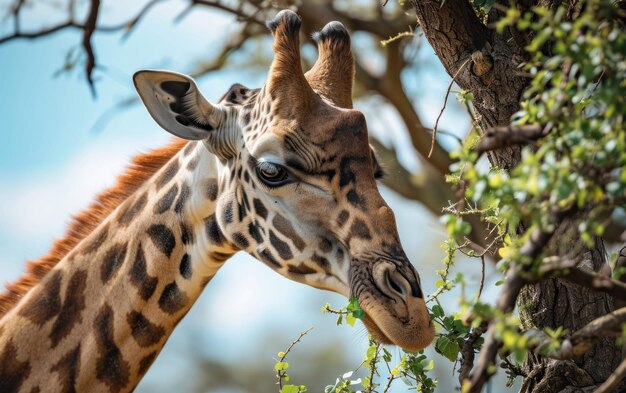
[[457, 34]]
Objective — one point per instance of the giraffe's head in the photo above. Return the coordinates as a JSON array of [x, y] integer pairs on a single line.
[[297, 182]]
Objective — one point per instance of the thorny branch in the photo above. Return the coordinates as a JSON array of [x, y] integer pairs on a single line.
[[280, 374], [443, 108]]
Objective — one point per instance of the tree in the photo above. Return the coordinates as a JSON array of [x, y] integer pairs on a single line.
[[544, 83], [568, 50]]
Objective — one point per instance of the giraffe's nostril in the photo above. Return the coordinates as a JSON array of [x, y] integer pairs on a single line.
[[394, 284], [416, 291]]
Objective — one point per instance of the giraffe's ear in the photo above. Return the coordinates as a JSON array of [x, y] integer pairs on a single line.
[[175, 104]]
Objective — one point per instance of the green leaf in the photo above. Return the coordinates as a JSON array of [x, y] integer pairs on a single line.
[[280, 366], [350, 319], [448, 348], [291, 389], [437, 311]]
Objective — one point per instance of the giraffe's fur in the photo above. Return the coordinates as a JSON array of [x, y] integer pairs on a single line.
[[284, 173]]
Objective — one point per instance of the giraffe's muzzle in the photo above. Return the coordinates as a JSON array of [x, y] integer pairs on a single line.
[[389, 292]]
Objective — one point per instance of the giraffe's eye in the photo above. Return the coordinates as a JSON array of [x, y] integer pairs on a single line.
[[272, 175]]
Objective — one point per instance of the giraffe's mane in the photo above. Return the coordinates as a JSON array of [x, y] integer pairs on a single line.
[[141, 168]]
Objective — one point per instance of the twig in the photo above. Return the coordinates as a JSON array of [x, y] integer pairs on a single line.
[[72, 24], [280, 374], [506, 302], [398, 36], [614, 379], [90, 26], [482, 277], [597, 282], [370, 389], [333, 311], [445, 102], [467, 351], [236, 11], [581, 341], [389, 381], [498, 137]]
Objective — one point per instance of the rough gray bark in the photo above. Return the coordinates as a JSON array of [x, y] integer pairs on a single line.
[[457, 34]]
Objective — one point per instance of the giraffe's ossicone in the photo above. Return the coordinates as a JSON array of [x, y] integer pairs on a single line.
[[284, 173]]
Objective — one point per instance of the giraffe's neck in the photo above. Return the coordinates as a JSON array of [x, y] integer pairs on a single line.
[[100, 317]]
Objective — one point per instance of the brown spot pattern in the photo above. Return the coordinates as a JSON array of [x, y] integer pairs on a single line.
[[131, 211], [97, 241], [185, 267], [359, 229], [13, 373], [111, 368], [321, 261], [240, 240], [46, 303], [73, 305], [139, 276], [144, 332], [189, 148], [326, 245], [213, 230], [186, 235], [211, 189], [185, 192], [168, 174], [113, 260], [342, 218], [172, 299], [163, 238], [259, 208], [301, 269], [283, 226], [191, 165], [166, 200], [68, 368], [146, 362], [280, 246]]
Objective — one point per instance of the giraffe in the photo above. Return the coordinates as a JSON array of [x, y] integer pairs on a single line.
[[284, 173]]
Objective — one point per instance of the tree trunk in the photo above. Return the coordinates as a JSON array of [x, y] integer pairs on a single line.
[[490, 63]]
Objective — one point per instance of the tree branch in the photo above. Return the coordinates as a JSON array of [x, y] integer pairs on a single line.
[[597, 282], [90, 26], [467, 351], [239, 12], [581, 341], [498, 137], [71, 24], [513, 283]]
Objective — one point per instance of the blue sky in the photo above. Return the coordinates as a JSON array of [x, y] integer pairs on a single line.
[[52, 162]]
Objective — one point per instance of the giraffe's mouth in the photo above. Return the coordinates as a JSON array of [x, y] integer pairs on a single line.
[[393, 303], [412, 334], [375, 331]]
